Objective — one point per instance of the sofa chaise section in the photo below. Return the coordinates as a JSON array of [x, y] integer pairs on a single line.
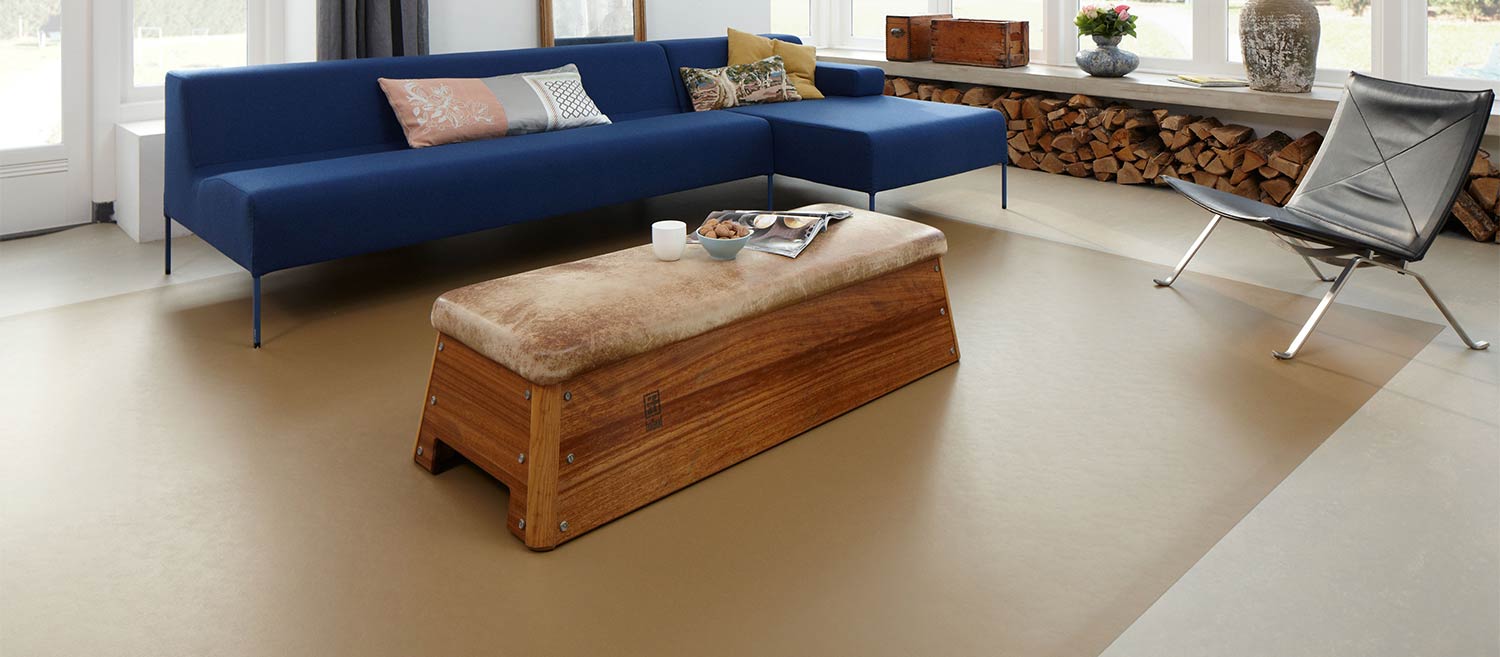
[[857, 138]]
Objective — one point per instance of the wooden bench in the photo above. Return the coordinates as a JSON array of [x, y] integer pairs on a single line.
[[593, 388]]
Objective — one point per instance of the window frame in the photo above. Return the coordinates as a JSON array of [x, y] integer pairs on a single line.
[[838, 32]]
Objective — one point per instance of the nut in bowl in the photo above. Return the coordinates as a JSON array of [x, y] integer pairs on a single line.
[[723, 239]]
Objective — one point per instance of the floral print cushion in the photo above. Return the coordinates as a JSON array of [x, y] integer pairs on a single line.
[[445, 110], [763, 81]]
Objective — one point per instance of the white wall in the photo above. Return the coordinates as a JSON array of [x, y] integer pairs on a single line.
[[469, 25], [301, 31]]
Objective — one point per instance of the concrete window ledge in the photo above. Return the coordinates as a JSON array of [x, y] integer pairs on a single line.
[[1138, 86]]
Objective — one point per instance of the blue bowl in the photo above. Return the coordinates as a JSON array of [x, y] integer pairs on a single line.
[[724, 249]]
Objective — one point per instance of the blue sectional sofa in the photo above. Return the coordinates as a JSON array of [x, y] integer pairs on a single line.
[[288, 165]]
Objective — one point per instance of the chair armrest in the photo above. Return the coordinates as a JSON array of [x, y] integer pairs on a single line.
[[849, 80]]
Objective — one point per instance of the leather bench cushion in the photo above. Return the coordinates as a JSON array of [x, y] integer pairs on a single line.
[[552, 324], [284, 214], [875, 143]]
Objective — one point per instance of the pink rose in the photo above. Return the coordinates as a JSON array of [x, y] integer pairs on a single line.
[[1123, 13], [1087, 9], [1122, 9]]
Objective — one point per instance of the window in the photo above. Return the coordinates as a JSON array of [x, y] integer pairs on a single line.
[[31, 69], [1031, 11], [1463, 39], [1345, 37], [868, 19], [173, 34], [1164, 29], [791, 17], [1442, 42]]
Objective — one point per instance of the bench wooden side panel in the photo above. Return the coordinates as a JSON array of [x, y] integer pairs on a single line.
[[642, 428]]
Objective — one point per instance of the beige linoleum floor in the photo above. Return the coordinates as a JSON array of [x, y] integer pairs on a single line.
[[1079, 484]]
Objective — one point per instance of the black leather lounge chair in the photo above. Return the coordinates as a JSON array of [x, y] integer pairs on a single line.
[[1378, 191]]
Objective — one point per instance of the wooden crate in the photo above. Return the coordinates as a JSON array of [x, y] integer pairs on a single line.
[[1001, 44], [909, 38], [617, 438]]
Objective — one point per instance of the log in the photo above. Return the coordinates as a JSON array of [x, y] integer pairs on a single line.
[[1129, 175], [1080, 100], [1487, 192], [1180, 140], [1177, 122], [1152, 170], [951, 96], [1232, 156], [1066, 143], [1279, 189], [1260, 151], [1247, 188], [1287, 167], [1051, 164], [1022, 159], [903, 87], [1019, 143], [1031, 108], [1011, 107], [1302, 150], [1476, 219], [1482, 165], [926, 91], [980, 96], [1106, 164], [1232, 135], [1139, 119], [1203, 128], [1205, 178], [1080, 169]]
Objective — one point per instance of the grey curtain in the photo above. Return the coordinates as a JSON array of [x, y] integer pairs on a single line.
[[350, 29]]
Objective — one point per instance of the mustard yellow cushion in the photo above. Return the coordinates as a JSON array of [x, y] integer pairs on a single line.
[[800, 60]]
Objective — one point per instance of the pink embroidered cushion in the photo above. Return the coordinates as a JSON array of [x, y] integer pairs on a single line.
[[445, 110]]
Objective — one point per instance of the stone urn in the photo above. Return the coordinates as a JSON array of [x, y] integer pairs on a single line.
[[1107, 60], [1280, 43]]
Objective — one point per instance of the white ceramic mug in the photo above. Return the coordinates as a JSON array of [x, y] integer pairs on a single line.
[[669, 239]]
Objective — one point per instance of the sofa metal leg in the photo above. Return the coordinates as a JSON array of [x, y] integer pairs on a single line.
[[1447, 314], [770, 191], [1004, 182], [255, 311], [1192, 250], [168, 241], [872, 201], [1322, 309]]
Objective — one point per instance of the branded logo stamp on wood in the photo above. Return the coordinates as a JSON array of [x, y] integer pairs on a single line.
[[652, 405]]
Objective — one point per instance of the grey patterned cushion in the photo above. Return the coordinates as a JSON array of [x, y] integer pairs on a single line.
[[540, 101]]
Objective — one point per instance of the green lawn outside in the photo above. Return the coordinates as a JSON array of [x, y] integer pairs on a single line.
[[154, 57]]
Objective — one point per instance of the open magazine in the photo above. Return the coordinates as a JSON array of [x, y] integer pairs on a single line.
[[781, 233]]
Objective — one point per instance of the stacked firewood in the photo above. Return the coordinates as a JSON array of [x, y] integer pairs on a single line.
[[1084, 136], [1478, 206]]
